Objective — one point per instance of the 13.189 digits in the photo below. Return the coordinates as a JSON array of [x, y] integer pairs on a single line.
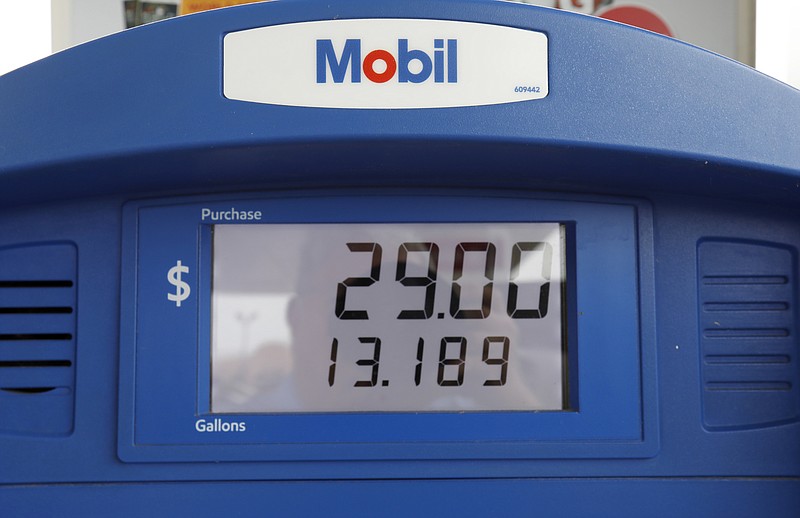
[[452, 353]]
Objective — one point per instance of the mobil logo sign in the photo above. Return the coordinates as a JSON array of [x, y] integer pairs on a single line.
[[385, 64], [406, 65]]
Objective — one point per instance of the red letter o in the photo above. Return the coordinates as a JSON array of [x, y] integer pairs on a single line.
[[379, 55]]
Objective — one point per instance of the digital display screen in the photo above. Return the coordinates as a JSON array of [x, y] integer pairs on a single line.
[[388, 317]]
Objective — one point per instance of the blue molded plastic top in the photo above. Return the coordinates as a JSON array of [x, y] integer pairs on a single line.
[[627, 110]]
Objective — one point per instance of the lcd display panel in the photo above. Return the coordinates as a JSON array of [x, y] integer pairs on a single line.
[[439, 317]]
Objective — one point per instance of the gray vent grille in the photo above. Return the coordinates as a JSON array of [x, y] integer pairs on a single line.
[[748, 334], [37, 338]]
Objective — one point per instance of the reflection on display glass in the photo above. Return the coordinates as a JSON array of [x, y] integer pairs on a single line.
[[388, 317]]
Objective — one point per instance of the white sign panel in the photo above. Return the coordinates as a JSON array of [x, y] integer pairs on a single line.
[[385, 63]]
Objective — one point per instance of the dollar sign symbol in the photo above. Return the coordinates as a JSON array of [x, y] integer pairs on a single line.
[[182, 290]]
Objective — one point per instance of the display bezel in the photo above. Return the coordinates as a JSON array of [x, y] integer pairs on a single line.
[[165, 369]]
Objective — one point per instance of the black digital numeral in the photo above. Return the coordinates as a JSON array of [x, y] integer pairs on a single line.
[[429, 282], [544, 290], [458, 269], [502, 361], [418, 368], [374, 276], [373, 362], [444, 361], [332, 368]]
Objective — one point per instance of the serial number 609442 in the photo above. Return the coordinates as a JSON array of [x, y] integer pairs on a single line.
[[527, 89]]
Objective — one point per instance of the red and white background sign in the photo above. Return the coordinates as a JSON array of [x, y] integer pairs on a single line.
[[723, 26]]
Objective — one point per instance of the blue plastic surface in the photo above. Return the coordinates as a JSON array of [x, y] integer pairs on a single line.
[[702, 153], [623, 103]]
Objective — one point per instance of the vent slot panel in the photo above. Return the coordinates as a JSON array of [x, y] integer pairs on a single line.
[[37, 339], [748, 334]]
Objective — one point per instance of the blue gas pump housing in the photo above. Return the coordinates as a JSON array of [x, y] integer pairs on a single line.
[[666, 296]]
